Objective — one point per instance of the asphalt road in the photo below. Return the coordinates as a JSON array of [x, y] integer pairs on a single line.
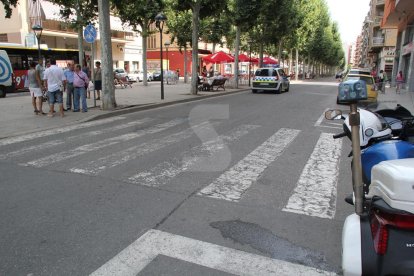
[[246, 183]]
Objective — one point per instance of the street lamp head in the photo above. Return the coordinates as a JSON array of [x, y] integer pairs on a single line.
[[37, 30], [160, 18], [167, 43]]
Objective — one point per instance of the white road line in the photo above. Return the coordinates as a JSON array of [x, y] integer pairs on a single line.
[[233, 183], [60, 156], [319, 121], [41, 134], [53, 143], [118, 158], [315, 193], [331, 127], [140, 253], [164, 172]]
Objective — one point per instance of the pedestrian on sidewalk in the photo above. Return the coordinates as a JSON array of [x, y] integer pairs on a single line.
[[80, 83], [54, 79], [382, 77], [399, 79], [69, 75], [35, 88], [98, 80]]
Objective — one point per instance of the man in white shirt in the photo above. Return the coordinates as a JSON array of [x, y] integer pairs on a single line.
[[54, 78]]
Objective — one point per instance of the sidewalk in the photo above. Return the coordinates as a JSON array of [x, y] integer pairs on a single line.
[[390, 99], [17, 116]]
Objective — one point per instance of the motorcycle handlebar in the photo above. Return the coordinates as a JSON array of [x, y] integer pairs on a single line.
[[340, 135]]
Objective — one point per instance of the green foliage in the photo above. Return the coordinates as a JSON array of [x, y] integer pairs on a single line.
[[85, 11]]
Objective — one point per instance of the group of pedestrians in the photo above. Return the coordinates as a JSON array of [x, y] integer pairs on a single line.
[[382, 79], [54, 81]]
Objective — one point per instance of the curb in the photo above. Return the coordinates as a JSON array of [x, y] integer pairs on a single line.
[[132, 109]]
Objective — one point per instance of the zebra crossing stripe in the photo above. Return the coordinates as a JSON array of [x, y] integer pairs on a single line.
[[233, 183], [315, 193], [118, 158], [60, 156], [164, 172], [53, 143], [27, 137], [133, 259]]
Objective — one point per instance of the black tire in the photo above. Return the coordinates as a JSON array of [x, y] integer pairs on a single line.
[[278, 91], [337, 100], [287, 89], [254, 90], [2, 92]]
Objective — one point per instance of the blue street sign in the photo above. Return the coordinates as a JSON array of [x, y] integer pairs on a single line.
[[89, 34]]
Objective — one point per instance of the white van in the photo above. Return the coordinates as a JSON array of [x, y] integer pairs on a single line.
[[6, 74]]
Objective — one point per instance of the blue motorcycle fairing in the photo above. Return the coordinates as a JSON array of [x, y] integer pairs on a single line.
[[386, 150]]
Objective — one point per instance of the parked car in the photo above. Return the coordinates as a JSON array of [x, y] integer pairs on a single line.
[[371, 87], [138, 76], [170, 74], [121, 73], [270, 79]]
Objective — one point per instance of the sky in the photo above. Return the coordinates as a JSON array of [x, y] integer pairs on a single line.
[[349, 14]]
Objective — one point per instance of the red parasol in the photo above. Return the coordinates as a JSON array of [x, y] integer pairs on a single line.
[[269, 60], [219, 57]]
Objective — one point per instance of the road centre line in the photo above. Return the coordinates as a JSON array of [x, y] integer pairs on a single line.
[[60, 156], [53, 143], [96, 166], [145, 249], [234, 182], [54, 131], [164, 172], [315, 193]]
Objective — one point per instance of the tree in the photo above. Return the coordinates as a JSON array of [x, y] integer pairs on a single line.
[[140, 15], [210, 7]]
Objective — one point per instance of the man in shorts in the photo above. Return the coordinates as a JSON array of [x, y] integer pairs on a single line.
[[54, 79], [35, 87]]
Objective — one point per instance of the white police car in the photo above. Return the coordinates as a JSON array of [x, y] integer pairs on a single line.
[[271, 79]]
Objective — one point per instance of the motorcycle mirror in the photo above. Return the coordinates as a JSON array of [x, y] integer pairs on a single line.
[[333, 114]]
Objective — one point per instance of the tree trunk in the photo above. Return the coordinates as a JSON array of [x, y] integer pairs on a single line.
[[290, 61], [279, 52], [79, 20], [236, 57], [144, 54], [194, 66], [185, 65], [108, 88], [297, 65], [261, 54]]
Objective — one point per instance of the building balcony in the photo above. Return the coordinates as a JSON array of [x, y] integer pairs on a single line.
[[377, 20], [380, 2], [377, 41]]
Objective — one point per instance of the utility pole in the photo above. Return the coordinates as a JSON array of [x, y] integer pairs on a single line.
[[108, 88]]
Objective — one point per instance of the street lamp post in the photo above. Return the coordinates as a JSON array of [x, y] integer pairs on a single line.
[[159, 22], [167, 44], [38, 32]]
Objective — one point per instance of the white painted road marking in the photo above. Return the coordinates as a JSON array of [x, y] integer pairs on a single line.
[[41, 134], [140, 253], [164, 172], [121, 157], [315, 193], [319, 121], [53, 143], [60, 156], [233, 183]]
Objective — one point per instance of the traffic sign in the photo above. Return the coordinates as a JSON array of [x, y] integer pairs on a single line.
[[89, 33]]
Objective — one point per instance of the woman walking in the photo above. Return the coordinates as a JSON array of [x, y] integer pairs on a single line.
[[399, 80], [80, 83]]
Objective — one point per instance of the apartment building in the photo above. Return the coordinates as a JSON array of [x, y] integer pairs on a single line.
[[399, 14]]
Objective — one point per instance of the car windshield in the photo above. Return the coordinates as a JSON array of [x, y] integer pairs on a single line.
[[262, 72], [367, 79]]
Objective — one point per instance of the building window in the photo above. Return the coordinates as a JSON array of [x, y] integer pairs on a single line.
[[3, 38]]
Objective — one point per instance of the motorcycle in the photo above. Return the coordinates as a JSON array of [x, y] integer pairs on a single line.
[[378, 239]]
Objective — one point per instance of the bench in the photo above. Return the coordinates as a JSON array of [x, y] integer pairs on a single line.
[[218, 83]]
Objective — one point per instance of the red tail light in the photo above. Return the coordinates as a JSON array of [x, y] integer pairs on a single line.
[[380, 221]]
